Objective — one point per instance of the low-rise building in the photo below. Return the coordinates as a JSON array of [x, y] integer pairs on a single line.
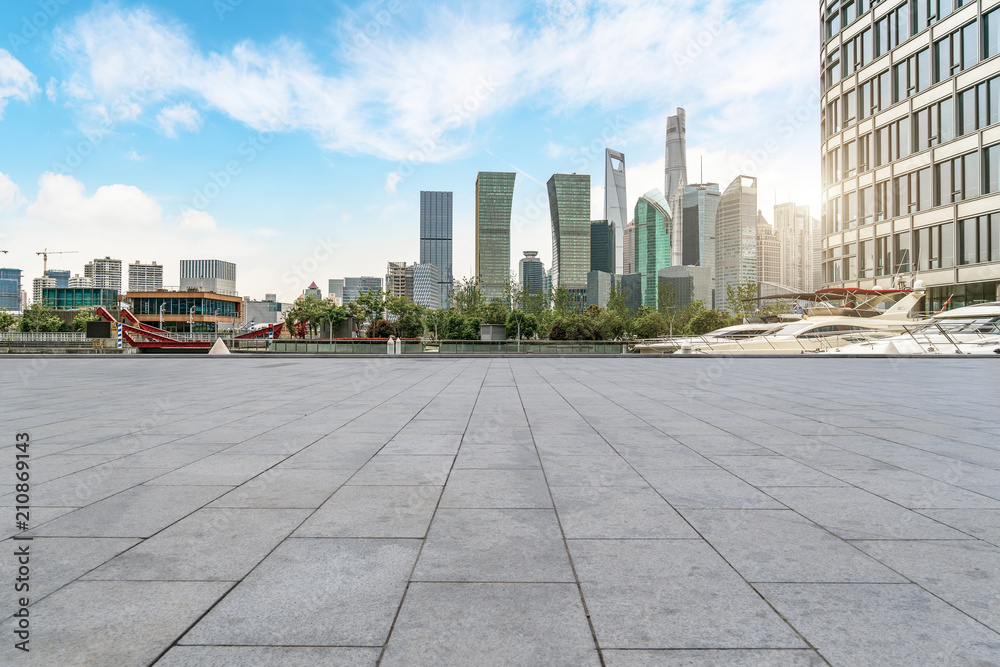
[[191, 310]]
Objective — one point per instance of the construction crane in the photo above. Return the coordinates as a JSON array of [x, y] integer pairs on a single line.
[[45, 257]]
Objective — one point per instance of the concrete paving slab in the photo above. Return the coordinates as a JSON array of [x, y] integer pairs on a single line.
[[591, 471], [314, 592], [984, 524], [286, 488], [496, 489], [617, 513], [672, 594], [498, 457], [712, 658], [883, 624], [708, 489], [272, 656], [491, 624], [387, 470], [374, 511]]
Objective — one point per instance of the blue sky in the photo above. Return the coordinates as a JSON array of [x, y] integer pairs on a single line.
[[294, 138]]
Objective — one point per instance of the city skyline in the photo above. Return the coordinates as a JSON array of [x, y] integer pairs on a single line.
[[307, 202]]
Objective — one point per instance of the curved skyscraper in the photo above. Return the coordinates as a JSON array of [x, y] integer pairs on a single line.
[[675, 165], [569, 207], [494, 197], [615, 203], [735, 237], [652, 242]]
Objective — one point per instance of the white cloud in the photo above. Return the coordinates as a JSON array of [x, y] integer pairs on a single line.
[[62, 200], [10, 195], [392, 181], [16, 82], [181, 115], [135, 157], [196, 222]]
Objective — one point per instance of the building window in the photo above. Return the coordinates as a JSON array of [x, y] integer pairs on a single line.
[[991, 34], [912, 75], [901, 252], [881, 201], [850, 210], [883, 257], [957, 179], [866, 205], [850, 158], [864, 153], [913, 191], [850, 108], [866, 259], [956, 52], [979, 239], [992, 176]]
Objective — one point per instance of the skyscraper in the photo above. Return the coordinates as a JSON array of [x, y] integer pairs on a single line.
[[652, 242], [335, 290], [768, 257], [735, 237], [602, 246], [701, 203], [399, 279], [494, 196], [628, 254], [791, 224], [675, 164], [145, 277], [209, 275], [930, 207], [10, 289], [436, 239], [426, 285], [107, 273], [532, 273], [615, 203], [569, 208], [356, 286]]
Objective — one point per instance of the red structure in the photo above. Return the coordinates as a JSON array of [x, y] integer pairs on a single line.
[[145, 336]]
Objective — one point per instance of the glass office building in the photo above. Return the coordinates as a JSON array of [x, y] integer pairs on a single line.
[[652, 243], [356, 286], [910, 147], [616, 203], [701, 203], [735, 237], [494, 197], [77, 298], [602, 246], [10, 289], [569, 208], [436, 240], [532, 273]]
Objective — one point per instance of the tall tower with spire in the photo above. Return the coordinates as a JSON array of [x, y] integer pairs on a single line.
[[675, 165]]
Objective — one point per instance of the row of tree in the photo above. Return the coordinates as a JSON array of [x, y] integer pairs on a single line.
[[557, 316], [36, 318]]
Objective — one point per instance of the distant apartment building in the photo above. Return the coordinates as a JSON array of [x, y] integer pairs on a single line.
[[735, 238], [107, 273], [426, 285], [910, 151], [569, 208], [602, 246], [531, 271], [145, 277], [615, 204], [628, 252], [268, 311], [652, 242], [80, 281], [208, 275], [356, 286], [494, 198], [399, 279], [61, 276], [599, 284], [335, 290], [10, 289], [436, 210], [768, 258], [38, 285]]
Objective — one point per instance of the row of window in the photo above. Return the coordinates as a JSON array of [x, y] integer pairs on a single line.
[[897, 26], [971, 110], [951, 54], [945, 182], [977, 240]]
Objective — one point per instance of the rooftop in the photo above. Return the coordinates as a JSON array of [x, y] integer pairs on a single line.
[[441, 511]]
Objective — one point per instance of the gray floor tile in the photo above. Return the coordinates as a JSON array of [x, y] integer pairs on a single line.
[[374, 511], [138, 512], [404, 471], [708, 489], [590, 471], [963, 572], [314, 592], [882, 624], [775, 471], [672, 594], [984, 524], [494, 546], [496, 489], [710, 658], [782, 546], [606, 512], [491, 624], [497, 457], [219, 470], [286, 488], [221, 544], [111, 622], [423, 444], [917, 491], [271, 656]]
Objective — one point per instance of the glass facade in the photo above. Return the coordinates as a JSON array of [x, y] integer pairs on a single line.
[[602, 246], [616, 203], [76, 298], [494, 198], [532, 273], [701, 202], [181, 305], [210, 275], [10, 289], [569, 208], [426, 285], [926, 212], [652, 243], [735, 237], [354, 287], [60, 276], [436, 240]]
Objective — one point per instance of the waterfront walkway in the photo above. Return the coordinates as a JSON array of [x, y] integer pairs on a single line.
[[624, 512]]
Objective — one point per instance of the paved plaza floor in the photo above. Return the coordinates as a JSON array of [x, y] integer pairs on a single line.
[[620, 512]]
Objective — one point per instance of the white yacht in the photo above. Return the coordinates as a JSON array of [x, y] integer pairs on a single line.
[[967, 330], [844, 316], [723, 335]]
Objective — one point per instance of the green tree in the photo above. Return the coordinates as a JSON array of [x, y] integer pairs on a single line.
[[742, 298], [408, 316], [469, 298], [521, 324], [709, 320], [573, 326], [37, 318], [563, 302], [610, 325], [434, 321], [367, 308], [81, 319], [7, 321], [335, 316], [494, 312], [381, 329]]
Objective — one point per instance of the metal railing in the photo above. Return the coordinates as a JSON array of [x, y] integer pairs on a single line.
[[44, 337]]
